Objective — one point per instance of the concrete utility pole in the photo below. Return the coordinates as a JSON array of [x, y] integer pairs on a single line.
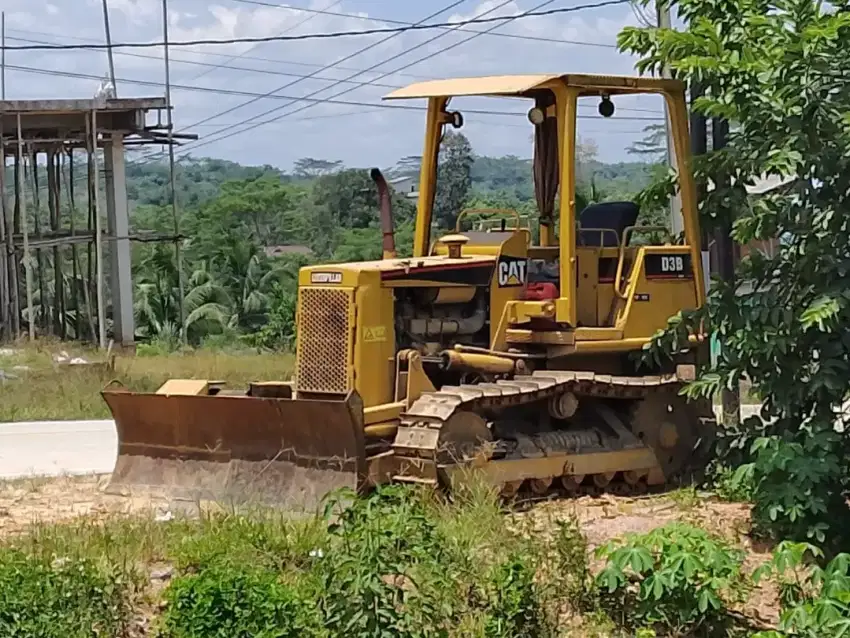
[[725, 269], [109, 47], [175, 215], [677, 225]]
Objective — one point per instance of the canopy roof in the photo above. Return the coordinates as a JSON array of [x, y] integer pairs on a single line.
[[519, 85]]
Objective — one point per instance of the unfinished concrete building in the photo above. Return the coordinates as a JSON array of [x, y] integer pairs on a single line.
[[65, 269]]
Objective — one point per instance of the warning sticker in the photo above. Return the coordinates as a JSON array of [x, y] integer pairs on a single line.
[[374, 334]]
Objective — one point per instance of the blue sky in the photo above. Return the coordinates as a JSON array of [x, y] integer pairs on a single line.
[[358, 135]]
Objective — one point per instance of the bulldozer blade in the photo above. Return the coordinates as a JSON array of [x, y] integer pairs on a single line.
[[287, 452]]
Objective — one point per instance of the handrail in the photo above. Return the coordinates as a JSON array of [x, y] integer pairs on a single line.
[[621, 253], [508, 211]]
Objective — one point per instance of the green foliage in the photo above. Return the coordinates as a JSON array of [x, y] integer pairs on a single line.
[[238, 601], [279, 331], [815, 600], [61, 598], [734, 485], [453, 179], [771, 69], [261, 539], [392, 570], [676, 577], [574, 577]]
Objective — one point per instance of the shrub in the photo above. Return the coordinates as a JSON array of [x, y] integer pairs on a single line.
[[226, 601], [574, 578], [391, 570], [815, 600], [278, 333], [676, 577], [513, 601], [63, 598]]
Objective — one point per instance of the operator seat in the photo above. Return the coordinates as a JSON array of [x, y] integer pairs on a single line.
[[616, 216]]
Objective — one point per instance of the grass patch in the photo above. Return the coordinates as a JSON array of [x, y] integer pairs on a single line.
[[400, 562], [44, 391], [62, 598]]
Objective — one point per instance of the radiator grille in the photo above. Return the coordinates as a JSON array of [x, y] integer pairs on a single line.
[[324, 340]]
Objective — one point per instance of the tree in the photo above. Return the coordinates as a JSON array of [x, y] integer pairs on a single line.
[[311, 168], [408, 166], [653, 145], [453, 178], [775, 70]]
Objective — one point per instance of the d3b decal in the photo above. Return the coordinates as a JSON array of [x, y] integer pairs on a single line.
[[512, 271]]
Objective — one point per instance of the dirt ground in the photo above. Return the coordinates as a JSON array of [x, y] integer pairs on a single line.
[[26, 502]]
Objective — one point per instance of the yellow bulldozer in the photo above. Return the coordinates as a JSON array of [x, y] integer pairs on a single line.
[[484, 353]]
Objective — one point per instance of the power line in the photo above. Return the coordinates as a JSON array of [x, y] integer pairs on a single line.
[[234, 92], [219, 135], [227, 67], [310, 36], [384, 85], [516, 36], [408, 65], [309, 17], [206, 53], [222, 91]]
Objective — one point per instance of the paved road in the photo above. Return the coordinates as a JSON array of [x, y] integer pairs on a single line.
[[52, 448]]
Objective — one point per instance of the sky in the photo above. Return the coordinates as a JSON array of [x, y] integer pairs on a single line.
[[216, 89]]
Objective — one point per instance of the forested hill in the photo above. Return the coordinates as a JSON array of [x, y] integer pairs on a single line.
[[200, 180]]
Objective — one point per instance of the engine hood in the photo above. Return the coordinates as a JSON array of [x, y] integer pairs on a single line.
[[473, 270]]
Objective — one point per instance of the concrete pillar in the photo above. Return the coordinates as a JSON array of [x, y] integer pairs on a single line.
[[118, 225]]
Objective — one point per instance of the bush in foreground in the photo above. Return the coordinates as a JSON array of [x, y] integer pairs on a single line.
[[61, 598], [399, 562], [676, 578], [238, 602]]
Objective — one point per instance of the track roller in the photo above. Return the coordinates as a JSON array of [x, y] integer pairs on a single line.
[[540, 486], [509, 490], [572, 483], [602, 480]]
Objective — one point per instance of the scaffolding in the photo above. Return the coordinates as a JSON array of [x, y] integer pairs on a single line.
[[65, 269]]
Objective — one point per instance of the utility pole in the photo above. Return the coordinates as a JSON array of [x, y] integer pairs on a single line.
[[178, 255], [109, 47], [731, 399], [677, 225], [3, 54]]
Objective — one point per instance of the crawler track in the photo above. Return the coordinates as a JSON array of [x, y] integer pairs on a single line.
[[656, 441]]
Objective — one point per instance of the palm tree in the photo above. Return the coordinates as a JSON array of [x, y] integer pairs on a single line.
[[249, 276]]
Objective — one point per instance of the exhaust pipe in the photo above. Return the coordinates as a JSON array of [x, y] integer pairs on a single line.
[[386, 206]]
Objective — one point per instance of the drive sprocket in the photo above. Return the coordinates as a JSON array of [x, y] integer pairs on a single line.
[[672, 426], [465, 436]]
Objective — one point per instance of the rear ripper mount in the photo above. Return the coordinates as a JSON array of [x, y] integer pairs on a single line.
[[636, 428]]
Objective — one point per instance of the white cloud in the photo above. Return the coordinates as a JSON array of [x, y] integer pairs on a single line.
[[370, 137]]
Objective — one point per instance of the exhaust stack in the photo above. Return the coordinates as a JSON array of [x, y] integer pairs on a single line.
[[386, 207]]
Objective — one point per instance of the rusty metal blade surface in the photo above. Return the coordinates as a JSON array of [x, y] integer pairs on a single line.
[[237, 448]]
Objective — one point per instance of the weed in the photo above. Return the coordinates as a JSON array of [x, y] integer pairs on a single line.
[[265, 538], [61, 597], [114, 540], [686, 498], [734, 486], [573, 566], [245, 601], [676, 577]]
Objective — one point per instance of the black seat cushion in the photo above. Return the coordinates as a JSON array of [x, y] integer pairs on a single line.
[[616, 216]]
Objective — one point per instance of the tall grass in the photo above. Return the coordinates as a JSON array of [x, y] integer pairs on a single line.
[[401, 562], [45, 391]]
